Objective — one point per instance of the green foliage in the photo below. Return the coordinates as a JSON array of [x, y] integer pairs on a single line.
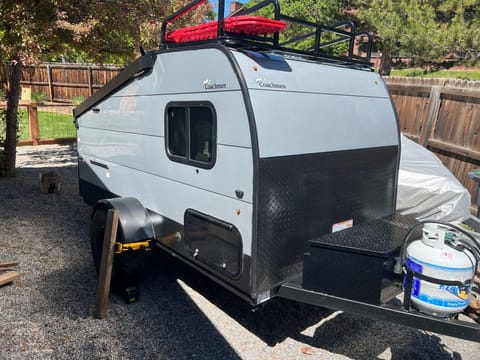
[[327, 12], [77, 100], [448, 74], [23, 130], [38, 98], [21, 127], [317, 11], [3, 113], [2, 95], [111, 31], [426, 31]]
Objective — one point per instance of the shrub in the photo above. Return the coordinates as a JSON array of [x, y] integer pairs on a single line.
[[38, 97], [77, 100]]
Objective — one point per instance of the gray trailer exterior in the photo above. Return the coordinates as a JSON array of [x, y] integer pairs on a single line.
[[296, 149]]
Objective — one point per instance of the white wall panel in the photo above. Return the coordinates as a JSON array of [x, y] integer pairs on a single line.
[[171, 198]]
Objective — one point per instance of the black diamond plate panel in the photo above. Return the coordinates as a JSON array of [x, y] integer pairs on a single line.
[[301, 197]]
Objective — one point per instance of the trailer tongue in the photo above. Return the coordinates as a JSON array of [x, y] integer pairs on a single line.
[[394, 313], [354, 270]]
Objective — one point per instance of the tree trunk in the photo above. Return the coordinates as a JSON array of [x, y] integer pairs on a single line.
[[385, 63], [13, 97]]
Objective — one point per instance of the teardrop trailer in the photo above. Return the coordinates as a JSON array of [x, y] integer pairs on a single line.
[[269, 169]]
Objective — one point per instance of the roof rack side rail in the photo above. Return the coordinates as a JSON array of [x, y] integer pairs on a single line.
[[337, 29]]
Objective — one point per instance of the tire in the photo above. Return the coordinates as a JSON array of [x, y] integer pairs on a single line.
[[127, 267]]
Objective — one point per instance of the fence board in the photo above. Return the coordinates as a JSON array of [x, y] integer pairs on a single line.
[[63, 82], [444, 116]]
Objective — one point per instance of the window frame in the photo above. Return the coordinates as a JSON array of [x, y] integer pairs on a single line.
[[187, 158]]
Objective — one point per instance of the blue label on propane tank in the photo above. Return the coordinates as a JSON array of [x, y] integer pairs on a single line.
[[416, 282], [446, 303]]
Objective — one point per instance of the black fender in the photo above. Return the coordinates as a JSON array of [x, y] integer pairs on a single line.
[[134, 222]]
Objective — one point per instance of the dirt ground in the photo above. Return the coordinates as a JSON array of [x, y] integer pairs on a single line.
[[48, 312]]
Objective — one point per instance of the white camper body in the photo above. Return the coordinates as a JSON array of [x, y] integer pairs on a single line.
[[269, 169]]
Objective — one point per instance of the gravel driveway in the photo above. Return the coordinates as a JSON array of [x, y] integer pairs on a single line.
[[48, 312]]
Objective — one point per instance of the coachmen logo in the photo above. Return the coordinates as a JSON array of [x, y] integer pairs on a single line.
[[210, 85], [269, 85]]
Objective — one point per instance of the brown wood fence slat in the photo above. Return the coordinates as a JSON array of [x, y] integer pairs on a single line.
[[444, 116], [63, 82]]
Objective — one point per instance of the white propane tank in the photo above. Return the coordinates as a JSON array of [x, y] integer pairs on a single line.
[[432, 257]]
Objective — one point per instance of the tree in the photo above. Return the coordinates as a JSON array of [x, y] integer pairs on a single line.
[[33, 30], [327, 12], [24, 27], [116, 28], [426, 31], [317, 11]]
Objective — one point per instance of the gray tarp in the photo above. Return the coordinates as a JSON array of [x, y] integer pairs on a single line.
[[427, 189]]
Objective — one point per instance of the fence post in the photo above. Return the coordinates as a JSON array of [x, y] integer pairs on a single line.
[[90, 81], [433, 111], [50, 83], [33, 120]]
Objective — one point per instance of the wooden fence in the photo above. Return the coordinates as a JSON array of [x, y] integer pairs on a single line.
[[44, 124], [444, 116], [62, 83]]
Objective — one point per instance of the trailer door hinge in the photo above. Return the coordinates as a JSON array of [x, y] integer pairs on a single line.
[[135, 246]]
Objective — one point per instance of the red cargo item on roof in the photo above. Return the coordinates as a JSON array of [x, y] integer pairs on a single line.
[[247, 25]]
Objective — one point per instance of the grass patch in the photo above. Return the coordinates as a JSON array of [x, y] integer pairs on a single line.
[[51, 125], [449, 74]]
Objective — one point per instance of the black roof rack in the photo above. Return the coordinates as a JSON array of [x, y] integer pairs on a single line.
[[322, 38]]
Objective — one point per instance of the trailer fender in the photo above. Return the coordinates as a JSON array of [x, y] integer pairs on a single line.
[[134, 223]]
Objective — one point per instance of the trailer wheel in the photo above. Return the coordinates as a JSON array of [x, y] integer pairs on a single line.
[[127, 267]]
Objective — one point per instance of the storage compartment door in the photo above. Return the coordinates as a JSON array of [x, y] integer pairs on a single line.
[[214, 242]]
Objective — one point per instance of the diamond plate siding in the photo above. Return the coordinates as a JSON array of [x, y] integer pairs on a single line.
[[301, 197]]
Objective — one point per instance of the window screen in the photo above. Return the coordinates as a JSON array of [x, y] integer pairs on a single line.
[[191, 134]]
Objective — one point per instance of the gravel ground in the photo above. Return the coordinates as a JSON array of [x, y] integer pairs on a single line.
[[48, 312]]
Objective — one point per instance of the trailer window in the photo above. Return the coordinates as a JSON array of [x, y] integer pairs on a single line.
[[177, 121], [191, 134]]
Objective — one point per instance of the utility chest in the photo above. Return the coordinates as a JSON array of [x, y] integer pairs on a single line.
[[357, 263]]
